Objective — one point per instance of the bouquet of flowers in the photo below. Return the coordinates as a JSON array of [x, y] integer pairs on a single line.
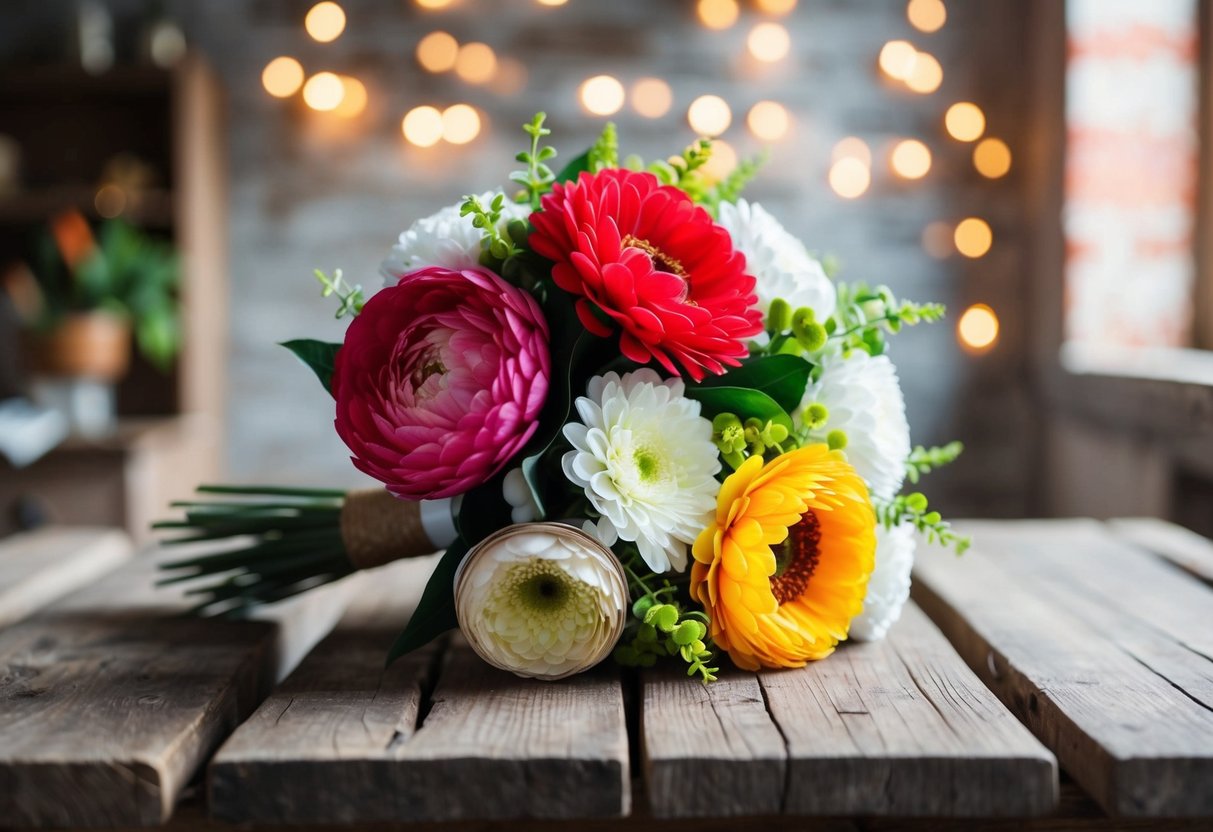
[[638, 416]]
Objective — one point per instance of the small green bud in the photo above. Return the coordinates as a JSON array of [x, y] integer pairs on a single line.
[[812, 337], [815, 416], [836, 439], [872, 308], [917, 502], [697, 646], [723, 421], [774, 434], [932, 518], [685, 633], [642, 605], [779, 316], [662, 616]]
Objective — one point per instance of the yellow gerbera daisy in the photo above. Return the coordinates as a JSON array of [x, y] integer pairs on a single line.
[[784, 567]]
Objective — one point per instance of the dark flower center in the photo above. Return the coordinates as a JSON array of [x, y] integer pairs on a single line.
[[796, 559], [661, 261]]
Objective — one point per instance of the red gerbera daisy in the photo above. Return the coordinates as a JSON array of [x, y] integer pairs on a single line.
[[655, 264]]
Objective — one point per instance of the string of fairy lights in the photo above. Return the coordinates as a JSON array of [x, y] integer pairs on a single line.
[[768, 42]]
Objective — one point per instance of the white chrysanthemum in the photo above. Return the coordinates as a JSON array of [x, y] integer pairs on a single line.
[[523, 508], [444, 239], [541, 600], [780, 262], [646, 460], [889, 586], [864, 400]]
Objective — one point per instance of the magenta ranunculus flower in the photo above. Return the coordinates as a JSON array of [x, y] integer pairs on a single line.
[[440, 381]]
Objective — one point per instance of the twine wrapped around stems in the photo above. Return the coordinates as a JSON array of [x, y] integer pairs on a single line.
[[378, 528]]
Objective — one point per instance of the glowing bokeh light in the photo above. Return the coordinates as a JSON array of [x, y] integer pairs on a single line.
[[353, 99], [422, 126], [434, 4], [110, 201], [977, 328], [325, 22], [910, 159], [718, 14], [437, 51], [852, 147], [776, 7], [927, 74], [769, 42], [927, 15], [476, 62], [709, 115], [460, 123], [721, 163], [323, 91], [768, 120], [897, 59], [850, 177], [973, 237], [552, 2], [965, 121], [602, 95], [652, 97], [282, 77], [992, 158]]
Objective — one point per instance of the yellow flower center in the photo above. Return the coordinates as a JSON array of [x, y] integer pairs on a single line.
[[797, 559], [661, 260]]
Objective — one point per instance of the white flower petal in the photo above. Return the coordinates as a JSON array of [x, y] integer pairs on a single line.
[[889, 586]]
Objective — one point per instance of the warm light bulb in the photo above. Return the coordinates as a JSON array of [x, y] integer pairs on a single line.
[[437, 51], [850, 177], [325, 21], [776, 7], [852, 147], [965, 121], [992, 158], [911, 159], [652, 97], [433, 4], [721, 163], [973, 237], [422, 126], [323, 91], [353, 99], [602, 95], [927, 15], [552, 2], [718, 14], [709, 115], [978, 328], [937, 240], [927, 74], [460, 124], [897, 59], [768, 120], [476, 62], [769, 42], [282, 77]]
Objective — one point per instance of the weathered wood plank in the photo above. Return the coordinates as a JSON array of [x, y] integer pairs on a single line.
[[1104, 651], [896, 728], [1183, 547], [344, 741], [110, 699], [38, 567]]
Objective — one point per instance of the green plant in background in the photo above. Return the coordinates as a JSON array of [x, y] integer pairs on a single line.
[[124, 271]]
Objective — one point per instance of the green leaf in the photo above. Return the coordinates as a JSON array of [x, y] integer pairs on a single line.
[[574, 168], [741, 401], [435, 613], [319, 355], [782, 377]]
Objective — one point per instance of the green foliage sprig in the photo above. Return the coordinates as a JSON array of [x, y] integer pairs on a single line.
[[923, 461], [661, 627], [731, 187], [912, 508], [350, 298], [604, 153], [496, 244], [537, 179], [683, 171], [866, 315]]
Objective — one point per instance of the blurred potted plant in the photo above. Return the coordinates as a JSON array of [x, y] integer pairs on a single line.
[[85, 296]]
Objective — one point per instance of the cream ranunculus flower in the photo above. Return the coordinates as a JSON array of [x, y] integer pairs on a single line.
[[541, 600], [444, 239], [889, 586]]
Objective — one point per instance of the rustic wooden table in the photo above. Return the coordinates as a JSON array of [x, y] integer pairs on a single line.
[[1071, 646]]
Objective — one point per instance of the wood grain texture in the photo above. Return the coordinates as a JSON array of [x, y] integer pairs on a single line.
[[1183, 547], [38, 567], [1103, 650], [345, 741], [110, 699], [896, 728]]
